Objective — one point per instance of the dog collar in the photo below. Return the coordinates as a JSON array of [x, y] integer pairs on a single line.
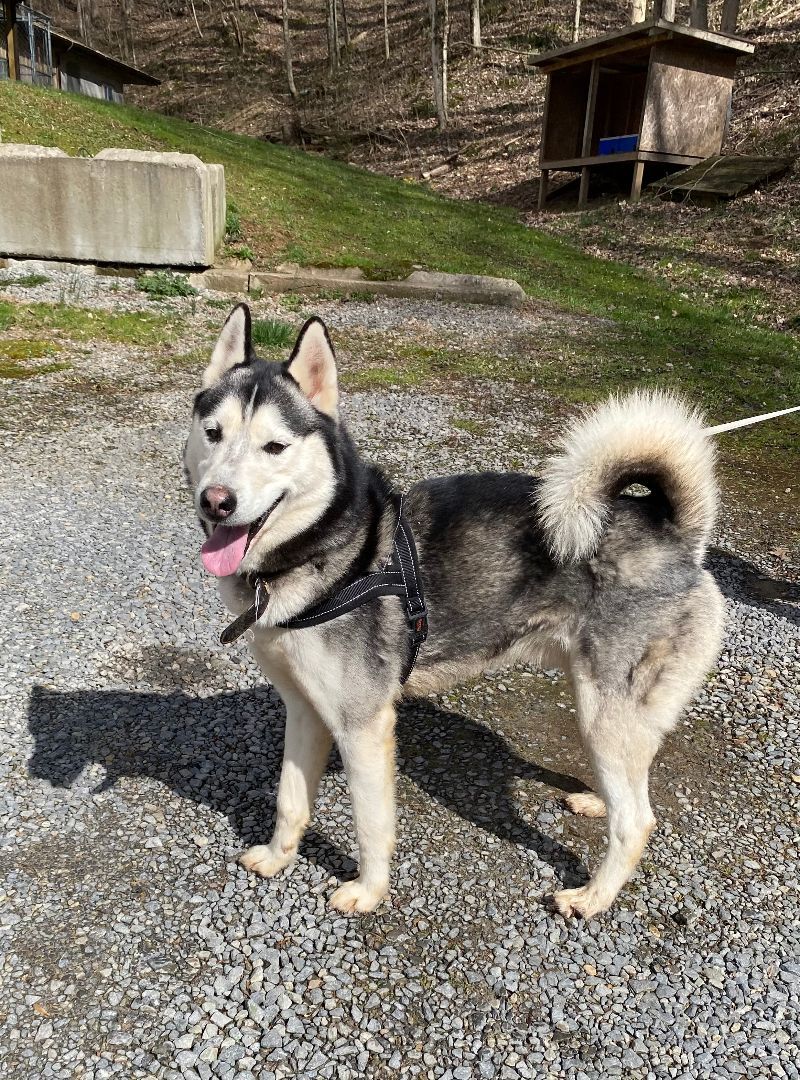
[[400, 577]]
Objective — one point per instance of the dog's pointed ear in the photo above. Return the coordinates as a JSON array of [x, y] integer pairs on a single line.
[[312, 365], [234, 346]]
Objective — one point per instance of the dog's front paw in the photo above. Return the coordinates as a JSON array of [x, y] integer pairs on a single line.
[[264, 860], [357, 897], [584, 901]]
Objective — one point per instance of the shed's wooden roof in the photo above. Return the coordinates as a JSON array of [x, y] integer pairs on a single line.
[[649, 32], [128, 72]]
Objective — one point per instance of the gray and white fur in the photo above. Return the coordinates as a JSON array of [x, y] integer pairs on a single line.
[[566, 570]]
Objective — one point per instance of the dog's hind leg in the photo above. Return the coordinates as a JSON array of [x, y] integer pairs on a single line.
[[622, 745], [585, 803], [368, 753], [622, 723], [306, 749]]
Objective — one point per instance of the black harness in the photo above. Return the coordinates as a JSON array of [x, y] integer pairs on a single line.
[[399, 577]]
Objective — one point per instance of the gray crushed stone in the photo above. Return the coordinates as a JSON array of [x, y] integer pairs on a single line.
[[139, 759]]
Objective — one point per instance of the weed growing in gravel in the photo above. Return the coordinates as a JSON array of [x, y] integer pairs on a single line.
[[163, 283], [464, 423], [293, 301], [273, 333], [25, 281]]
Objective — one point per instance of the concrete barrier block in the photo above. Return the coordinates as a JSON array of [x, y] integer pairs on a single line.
[[135, 207]]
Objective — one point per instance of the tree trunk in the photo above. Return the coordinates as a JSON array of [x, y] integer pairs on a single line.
[[730, 16], [287, 48], [386, 29], [638, 10], [438, 62], [698, 14], [664, 9], [84, 13], [345, 24], [332, 26], [576, 25], [475, 24], [127, 35]]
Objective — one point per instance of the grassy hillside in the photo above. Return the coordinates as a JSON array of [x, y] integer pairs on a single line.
[[317, 211]]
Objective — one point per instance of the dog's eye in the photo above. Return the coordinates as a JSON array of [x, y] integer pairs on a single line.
[[275, 447], [214, 434]]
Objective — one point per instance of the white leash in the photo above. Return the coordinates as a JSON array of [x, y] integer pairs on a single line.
[[748, 420]]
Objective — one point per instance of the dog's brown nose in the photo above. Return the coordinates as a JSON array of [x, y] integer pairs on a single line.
[[218, 502]]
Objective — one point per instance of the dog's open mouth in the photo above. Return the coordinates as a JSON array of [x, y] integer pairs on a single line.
[[223, 552]]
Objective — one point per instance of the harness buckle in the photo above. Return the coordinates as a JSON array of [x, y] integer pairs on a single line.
[[417, 620]]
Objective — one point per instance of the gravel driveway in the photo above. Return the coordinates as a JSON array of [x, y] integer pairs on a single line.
[[139, 758]]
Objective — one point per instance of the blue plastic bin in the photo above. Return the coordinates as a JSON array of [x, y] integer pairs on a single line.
[[619, 144]]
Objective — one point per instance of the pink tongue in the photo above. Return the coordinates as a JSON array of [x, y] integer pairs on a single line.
[[224, 550]]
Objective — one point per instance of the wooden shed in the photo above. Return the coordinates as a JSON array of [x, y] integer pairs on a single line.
[[655, 95], [31, 50]]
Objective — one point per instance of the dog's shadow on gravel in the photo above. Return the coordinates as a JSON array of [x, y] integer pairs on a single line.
[[224, 751], [744, 582]]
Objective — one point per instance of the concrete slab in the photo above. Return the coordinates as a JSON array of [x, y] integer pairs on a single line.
[[222, 279], [134, 207], [421, 284]]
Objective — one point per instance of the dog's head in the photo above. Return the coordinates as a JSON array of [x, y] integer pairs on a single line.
[[258, 457]]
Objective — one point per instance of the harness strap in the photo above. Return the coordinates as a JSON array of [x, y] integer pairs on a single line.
[[401, 577]]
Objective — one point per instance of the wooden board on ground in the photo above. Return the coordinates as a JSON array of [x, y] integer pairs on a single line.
[[721, 177]]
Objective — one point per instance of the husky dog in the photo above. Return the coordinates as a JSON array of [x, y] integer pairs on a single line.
[[566, 570]]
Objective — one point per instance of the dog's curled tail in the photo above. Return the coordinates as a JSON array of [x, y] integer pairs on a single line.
[[649, 437]]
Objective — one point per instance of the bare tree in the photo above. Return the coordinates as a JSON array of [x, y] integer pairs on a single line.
[[287, 48], [332, 27], [475, 24], [440, 19], [345, 23], [386, 29], [730, 16], [127, 34], [84, 9], [576, 25], [698, 14]]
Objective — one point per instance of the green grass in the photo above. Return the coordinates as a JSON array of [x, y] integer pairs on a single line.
[[25, 281], [273, 333], [85, 324], [292, 206]]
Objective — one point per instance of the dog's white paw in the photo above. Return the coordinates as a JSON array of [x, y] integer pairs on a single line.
[[585, 803], [356, 897], [264, 860], [584, 901]]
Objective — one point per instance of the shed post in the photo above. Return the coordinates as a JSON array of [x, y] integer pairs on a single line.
[[636, 185], [588, 124]]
